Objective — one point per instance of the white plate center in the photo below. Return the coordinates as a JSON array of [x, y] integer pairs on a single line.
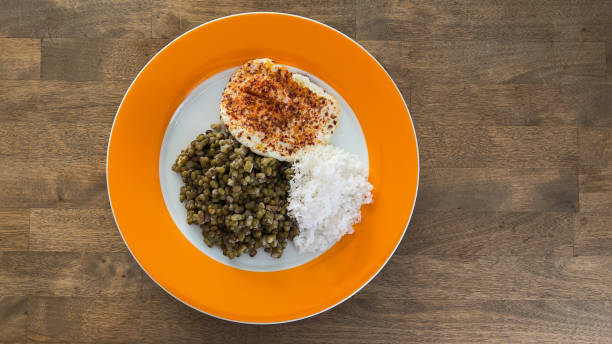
[[198, 111]]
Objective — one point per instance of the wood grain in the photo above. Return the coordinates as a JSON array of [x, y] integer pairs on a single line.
[[68, 274], [543, 20], [68, 101], [583, 61], [165, 18], [411, 20], [66, 18], [498, 105], [14, 229], [56, 183], [62, 123], [511, 147], [458, 62], [171, 18], [491, 62], [74, 119], [461, 321], [521, 20], [461, 233], [13, 318], [595, 105], [432, 277], [77, 59], [20, 59], [71, 122], [596, 190], [511, 236], [123, 320], [339, 14], [52, 230], [593, 235], [608, 59], [18, 100], [492, 189], [595, 144]]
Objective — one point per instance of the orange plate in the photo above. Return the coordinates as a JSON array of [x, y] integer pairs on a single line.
[[133, 168]]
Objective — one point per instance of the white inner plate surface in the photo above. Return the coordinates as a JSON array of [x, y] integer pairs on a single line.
[[198, 111]]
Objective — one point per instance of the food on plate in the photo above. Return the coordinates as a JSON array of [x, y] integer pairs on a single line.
[[328, 187], [238, 198], [276, 113], [240, 185]]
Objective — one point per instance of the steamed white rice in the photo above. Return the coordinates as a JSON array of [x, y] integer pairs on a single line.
[[327, 191]]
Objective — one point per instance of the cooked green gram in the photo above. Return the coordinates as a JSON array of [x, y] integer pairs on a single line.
[[238, 198]]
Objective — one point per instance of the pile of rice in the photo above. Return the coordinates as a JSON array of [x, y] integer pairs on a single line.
[[327, 191]]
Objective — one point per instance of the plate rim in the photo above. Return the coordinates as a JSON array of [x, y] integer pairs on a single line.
[[411, 210]]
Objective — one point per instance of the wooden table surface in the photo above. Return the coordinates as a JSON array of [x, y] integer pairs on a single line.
[[511, 238]]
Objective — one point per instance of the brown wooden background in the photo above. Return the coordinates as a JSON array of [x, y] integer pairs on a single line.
[[511, 239]]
